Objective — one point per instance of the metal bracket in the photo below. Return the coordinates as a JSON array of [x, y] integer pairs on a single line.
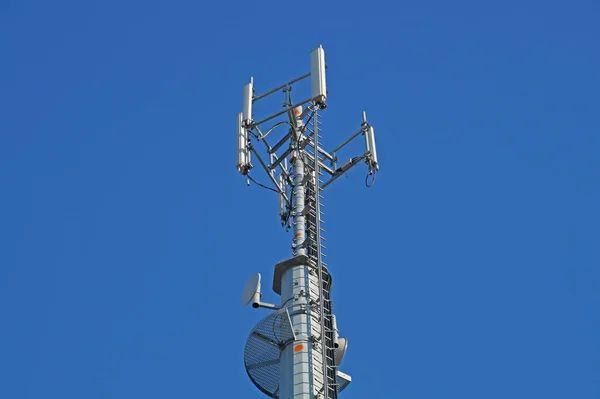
[[282, 267]]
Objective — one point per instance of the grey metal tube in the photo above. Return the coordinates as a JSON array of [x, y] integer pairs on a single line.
[[280, 87], [270, 175], [347, 141], [280, 142], [295, 378], [279, 113]]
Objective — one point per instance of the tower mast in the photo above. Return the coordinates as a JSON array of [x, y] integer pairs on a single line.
[[295, 351]]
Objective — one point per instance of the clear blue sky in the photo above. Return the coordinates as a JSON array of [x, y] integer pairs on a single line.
[[470, 270]]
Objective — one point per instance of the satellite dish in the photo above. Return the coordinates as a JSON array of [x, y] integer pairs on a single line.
[[342, 345], [252, 291]]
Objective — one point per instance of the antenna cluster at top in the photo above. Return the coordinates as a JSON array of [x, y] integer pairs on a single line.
[[248, 128], [245, 118]]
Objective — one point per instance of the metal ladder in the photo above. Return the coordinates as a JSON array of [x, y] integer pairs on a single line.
[[315, 253]]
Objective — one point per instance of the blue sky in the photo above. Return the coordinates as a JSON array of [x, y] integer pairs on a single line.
[[471, 269]]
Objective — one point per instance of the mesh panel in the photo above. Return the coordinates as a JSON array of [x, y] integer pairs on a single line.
[[263, 348], [264, 345]]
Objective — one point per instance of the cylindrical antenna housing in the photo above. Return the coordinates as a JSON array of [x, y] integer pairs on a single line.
[[247, 103], [242, 147], [370, 139], [282, 201], [367, 142], [336, 332], [317, 75]]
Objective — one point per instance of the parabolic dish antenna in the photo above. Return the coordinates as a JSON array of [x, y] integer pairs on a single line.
[[251, 289], [340, 351]]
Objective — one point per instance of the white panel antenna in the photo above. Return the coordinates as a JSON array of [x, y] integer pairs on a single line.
[[283, 211], [317, 75], [370, 142], [336, 332], [243, 157], [247, 103]]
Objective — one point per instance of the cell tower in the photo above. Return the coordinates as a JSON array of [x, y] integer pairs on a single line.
[[295, 351]]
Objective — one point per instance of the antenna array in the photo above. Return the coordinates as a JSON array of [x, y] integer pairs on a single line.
[[295, 351]]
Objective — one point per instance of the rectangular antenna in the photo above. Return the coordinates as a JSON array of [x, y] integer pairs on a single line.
[[247, 103], [317, 75], [282, 200], [370, 141], [242, 145]]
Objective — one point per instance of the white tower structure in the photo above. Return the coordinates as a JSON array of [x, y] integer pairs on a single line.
[[295, 351]]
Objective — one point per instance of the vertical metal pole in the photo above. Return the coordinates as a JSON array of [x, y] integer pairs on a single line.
[[296, 376]]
